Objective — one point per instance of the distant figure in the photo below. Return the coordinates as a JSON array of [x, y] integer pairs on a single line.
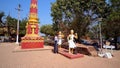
[[55, 45]]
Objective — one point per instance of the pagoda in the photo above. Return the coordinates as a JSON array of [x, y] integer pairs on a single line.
[[32, 38]]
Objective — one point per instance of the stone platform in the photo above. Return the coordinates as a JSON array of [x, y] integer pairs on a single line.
[[65, 53], [83, 49], [29, 42], [29, 45]]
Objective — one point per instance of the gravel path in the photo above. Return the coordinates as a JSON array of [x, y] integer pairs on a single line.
[[46, 59]]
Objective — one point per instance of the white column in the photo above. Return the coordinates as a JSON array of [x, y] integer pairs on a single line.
[[17, 36]]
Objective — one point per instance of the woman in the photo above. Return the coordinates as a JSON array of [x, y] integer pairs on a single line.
[[71, 41], [60, 36]]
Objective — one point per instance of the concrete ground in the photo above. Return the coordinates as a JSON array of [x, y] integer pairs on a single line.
[[11, 58]]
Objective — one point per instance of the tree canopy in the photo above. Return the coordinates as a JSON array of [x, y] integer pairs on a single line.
[[77, 14], [47, 29], [9, 26]]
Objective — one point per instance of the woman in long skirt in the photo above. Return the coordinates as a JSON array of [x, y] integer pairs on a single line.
[[60, 36], [71, 42]]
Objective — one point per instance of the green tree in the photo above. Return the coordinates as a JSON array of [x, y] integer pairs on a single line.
[[47, 30], [77, 14], [11, 24], [22, 28], [111, 26], [8, 25], [94, 31]]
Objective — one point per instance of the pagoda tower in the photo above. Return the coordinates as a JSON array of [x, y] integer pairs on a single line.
[[32, 38]]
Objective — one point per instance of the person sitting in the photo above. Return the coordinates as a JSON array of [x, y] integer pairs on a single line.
[[108, 45]]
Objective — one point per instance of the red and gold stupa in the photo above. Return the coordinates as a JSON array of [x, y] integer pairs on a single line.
[[32, 38]]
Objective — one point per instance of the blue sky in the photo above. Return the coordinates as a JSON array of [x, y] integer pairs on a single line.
[[44, 9]]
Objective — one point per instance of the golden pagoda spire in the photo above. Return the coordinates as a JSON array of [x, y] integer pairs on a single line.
[[32, 27], [33, 16]]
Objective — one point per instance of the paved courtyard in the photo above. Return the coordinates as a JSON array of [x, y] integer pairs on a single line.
[[11, 58]]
